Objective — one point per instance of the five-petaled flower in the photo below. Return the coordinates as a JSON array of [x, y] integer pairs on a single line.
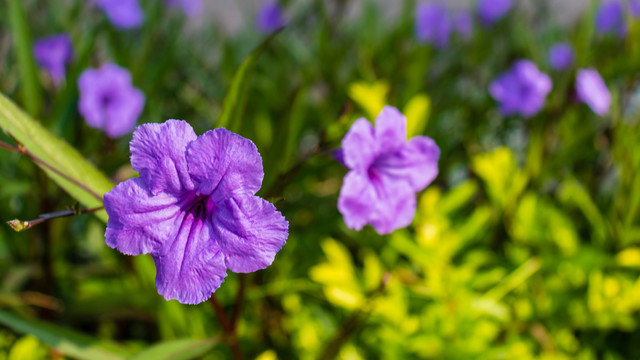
[[521, 90], [109, 101], [53, 54], [385, 173], [194, 209]]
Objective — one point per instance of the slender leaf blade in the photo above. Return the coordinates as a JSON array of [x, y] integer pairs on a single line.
[[68, 342], [183, 349], [236, 99], [56, 152]]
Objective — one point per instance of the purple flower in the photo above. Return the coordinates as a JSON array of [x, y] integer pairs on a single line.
[[521, 90], [491, 11], [463, 23], [610, 18], [634, 8], [194, 209], [560, 56], [592, 90], [270, 17], [123, 14], [108, 100], [385, 172], [433, 24], [189, 7], [53, 54]]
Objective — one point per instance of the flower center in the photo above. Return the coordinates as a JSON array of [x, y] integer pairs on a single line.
[[200, 206]]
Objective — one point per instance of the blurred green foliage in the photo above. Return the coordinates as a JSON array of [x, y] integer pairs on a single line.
[[527, 245]]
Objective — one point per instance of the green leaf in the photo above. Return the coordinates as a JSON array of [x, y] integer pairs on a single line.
[[68, 342], [56, 152], [234, 102], [177, 350], [26, 64]]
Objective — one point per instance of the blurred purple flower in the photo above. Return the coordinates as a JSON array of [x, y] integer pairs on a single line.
[[463, 23], [189, 7], [270, 17], [53, 54], [194, 209], [433, 25], [108, 100], [491, 11], [123, 14], [385, 172], [610, 18], [521, 90], [592, 90], [560, 56], [634, 8]]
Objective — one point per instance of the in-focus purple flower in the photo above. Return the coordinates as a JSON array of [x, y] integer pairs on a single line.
[[560, 56], [108, 100], [592, 90], [490, 11], [521, 90], [189, 7], [385, 172], [634, 8], [53, 54], [463, 23], [433, 25], [123, 14], [270, 17], [194, 209], [610, 18]]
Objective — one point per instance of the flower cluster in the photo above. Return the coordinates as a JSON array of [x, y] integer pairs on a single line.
[[194, 209]]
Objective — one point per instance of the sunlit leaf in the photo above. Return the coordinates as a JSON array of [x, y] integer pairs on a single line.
[[177, 350]]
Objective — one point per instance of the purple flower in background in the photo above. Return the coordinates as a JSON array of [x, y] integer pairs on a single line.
[[270, 17], [491, 11], [123, 14], [108, 100], [189, 7], [610, 18], [592, 90], [194, 209], [385, 172], [53, 54], [634, 8], [433, 24], [560, 56], [521, 90], [463, 23]]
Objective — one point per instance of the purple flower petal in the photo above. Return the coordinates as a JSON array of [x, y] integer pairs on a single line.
[[270, 17], [191, 265], [53, 54], [359, 147], [521, 90], [123, 14], [610, 18], [386, 172], [634, 8], [593, 91], [463, 23], [491, 11], [416, 163], [391, 129], [158, 154], [108, 100], [201, 217], [357, 199], [433, 24], [250, 231], [138, 221], [560, 56], [222, 163]]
